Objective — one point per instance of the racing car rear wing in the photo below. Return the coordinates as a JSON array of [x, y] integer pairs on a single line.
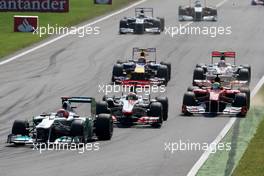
[[227, 54], [68, 100], [139, 9], [144, 50], [197, 1]]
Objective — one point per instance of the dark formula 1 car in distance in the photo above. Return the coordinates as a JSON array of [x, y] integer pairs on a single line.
[[64, 126], [142, 68], [214, 98], [225, 70], [132, 109], [143, 22], [197, 12], [257, 2]]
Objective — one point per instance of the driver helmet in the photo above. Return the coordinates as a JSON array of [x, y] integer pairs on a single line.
[[141, 14], [222, 63], [198, 3], [216, 86], [132, 96], [142, 60], [62, 113]]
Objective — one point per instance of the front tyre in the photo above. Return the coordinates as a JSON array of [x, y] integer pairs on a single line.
[[156, 111]]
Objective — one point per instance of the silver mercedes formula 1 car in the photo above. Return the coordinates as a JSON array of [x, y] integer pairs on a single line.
[[65, 125], [223, 69], [143, 22], [197, 12]]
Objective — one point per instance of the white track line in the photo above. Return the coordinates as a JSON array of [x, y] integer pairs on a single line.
[[64, 35]]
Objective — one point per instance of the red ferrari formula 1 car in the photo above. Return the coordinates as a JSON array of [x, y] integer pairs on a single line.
[[213, 98]]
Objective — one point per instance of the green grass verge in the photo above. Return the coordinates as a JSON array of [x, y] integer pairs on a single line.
[[80, 10], [223, 163], [252, 162]]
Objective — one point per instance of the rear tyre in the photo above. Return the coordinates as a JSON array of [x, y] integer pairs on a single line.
[[163, 73], [169, 68], [20, 127], [198, 74], [162, 24], [181, 13], [244, 75], [102, 108], [104, 127], [249, 70], [117, 71]]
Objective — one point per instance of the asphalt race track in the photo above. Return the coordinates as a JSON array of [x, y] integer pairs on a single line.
[[76, 66]]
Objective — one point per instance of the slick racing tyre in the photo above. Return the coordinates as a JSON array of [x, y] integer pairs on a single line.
[[246, 90], [122, 24], [156, 111], [165, 106], [249, 70], [162, 24], [104, 127], [169, 68], [117, 71], [77, 130], [20, 127], [102, 108], [163, 73], [240, 101], [198, 74], [244, 75], [189, 100]]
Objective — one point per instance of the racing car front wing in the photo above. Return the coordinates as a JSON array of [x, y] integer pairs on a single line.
[[191, 18], [229, 110], [147, 30], [145, 120]]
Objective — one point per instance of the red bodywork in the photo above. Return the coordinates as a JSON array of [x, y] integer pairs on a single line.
[[230, 54], [215, 95]]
